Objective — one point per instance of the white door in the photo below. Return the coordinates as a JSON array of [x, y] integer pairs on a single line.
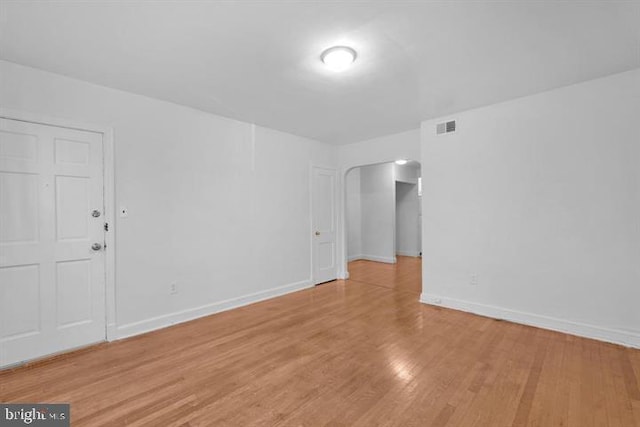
[[52, 282], [324, 225]]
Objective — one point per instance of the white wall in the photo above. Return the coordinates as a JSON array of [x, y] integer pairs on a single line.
[[404, 145], [407, 228], [408, 173], [227, 218], [539, 198], [353, 214], [378, 212]]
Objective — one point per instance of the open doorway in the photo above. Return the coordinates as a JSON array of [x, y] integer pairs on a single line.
[[408, 210], [383, 224]]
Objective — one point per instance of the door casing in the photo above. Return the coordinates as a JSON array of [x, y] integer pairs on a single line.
[[108, 194], [312, 168]]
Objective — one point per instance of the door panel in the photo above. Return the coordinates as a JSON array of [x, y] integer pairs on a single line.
[[72, 152], [73, 283], [324, 225], [325, 255], [18, 194], [20, 300], [72, 205], [52, 284], [18, 151]]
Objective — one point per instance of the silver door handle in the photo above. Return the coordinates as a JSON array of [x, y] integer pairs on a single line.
[[96, 246]]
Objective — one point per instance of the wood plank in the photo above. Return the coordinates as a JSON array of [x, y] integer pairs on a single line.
[[361, 352]]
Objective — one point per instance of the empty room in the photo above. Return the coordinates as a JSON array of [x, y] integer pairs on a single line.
[[320, 213]]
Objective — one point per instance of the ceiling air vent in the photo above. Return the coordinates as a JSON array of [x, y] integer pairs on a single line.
[[446, 127]]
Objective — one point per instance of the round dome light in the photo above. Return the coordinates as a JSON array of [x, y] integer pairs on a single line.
[[401, 162], [338, 58]]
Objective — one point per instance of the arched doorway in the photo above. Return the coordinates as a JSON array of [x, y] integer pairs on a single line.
[[382, 219]]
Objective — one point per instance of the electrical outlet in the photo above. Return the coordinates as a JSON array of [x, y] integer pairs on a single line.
[[474, 280], [173, 288]]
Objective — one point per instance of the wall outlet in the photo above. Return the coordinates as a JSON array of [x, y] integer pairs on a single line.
[[173, 288], [474, 280]]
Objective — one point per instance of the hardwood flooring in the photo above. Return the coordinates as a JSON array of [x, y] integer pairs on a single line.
[[405, 275], [362, 352]]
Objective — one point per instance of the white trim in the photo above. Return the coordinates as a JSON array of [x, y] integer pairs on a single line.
[[108, 195], [375, 258], [616, 336], [311, 265], [394, 211], [47, 356], [26, 116], [414, 254], [110, 236], [336, 220], [165, 320]]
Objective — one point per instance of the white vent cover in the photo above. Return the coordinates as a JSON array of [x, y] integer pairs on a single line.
[[446, 127]]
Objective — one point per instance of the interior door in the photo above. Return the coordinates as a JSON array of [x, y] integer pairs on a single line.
[[324, 225], [52, 264]]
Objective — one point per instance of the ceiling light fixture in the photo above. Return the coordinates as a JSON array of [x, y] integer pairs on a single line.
[[338, 58], [401, 162]]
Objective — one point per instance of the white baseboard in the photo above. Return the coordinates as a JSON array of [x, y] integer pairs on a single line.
[[616, 336], [408, 253], [375, 258], [388, 260], [112, 332], [159, 322]]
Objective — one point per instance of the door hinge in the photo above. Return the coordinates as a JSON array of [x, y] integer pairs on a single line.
[[106, 226]]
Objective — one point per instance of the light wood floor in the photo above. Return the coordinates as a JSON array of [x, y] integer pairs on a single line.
[[363, 352]]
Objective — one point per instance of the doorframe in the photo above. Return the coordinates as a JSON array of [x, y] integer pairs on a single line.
[[108, 168], [343, 261], [336, 219]]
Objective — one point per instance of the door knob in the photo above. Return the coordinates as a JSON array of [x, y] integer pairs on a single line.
[[95, 213], [96, 246], [317, 233]]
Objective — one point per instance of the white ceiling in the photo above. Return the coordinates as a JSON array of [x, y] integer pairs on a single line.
[[258, 61]]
